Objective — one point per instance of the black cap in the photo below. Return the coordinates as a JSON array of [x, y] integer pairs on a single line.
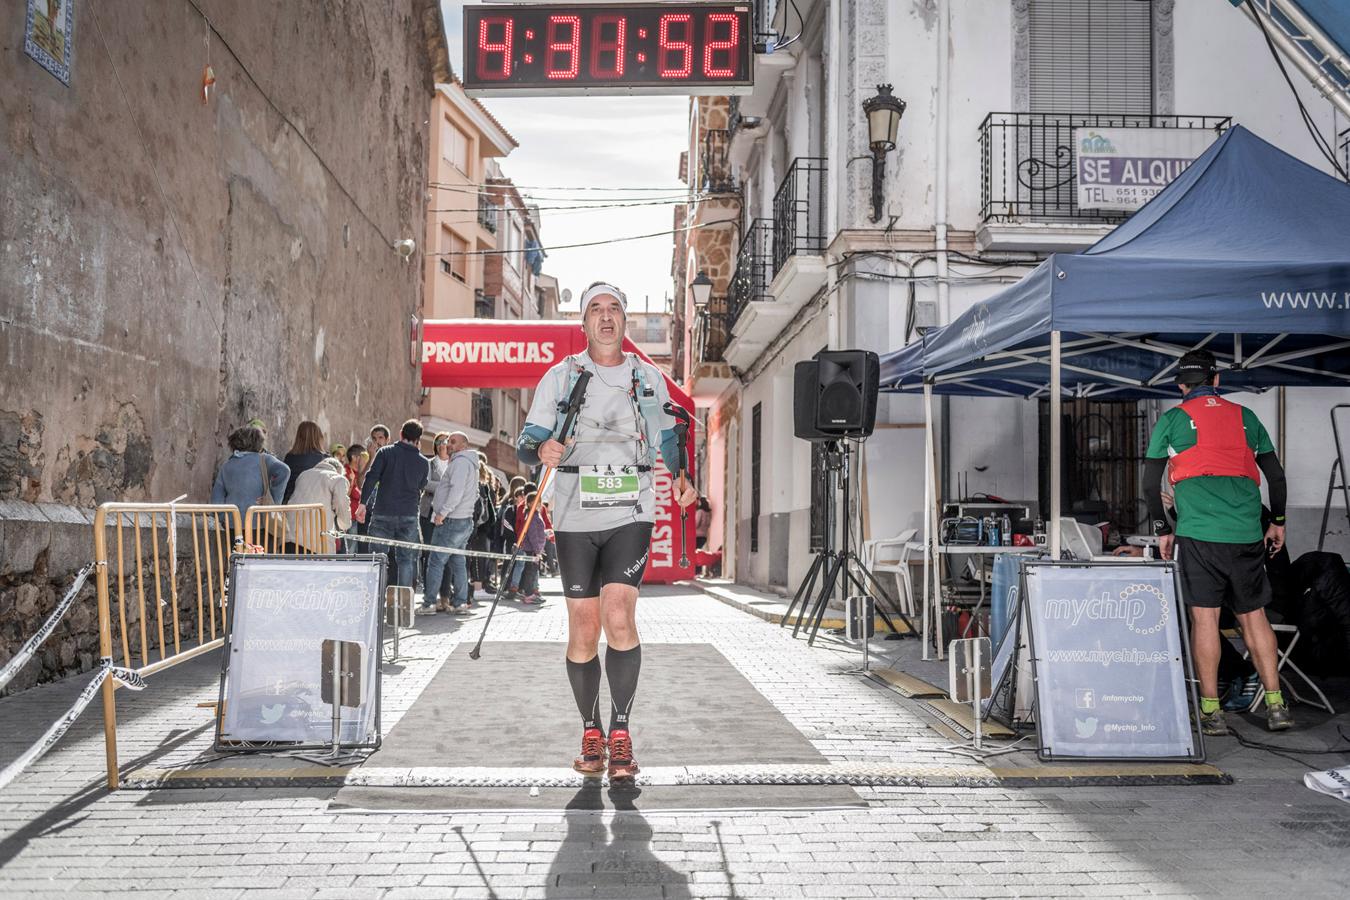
[[1196, 367]]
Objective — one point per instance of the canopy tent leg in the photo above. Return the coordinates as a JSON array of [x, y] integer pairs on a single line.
[[1055, 440], [927, 513]]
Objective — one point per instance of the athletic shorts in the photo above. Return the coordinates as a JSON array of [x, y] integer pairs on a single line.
[[1217, 575], [591, 559]]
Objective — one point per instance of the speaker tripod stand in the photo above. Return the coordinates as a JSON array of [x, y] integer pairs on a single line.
[[838, 568]]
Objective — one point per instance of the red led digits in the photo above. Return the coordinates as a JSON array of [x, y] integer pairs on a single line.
[[601, 45], [672, 48], [559, 49], [712, 47], [486, 48]]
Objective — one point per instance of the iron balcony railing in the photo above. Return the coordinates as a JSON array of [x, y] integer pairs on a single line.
[[799, 211], [1028, 162], [484, 305], [480, 415], [487, 212], [754, 259], [715, 175], [713, 330]]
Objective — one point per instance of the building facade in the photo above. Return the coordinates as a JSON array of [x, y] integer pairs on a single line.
[[463, 222], [977, 190], [175, 261], [513, 288]]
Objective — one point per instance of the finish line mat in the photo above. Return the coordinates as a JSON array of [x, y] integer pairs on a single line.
[[512, 709]]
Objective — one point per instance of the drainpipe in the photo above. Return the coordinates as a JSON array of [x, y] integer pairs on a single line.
[[941, 151], [834, 193]]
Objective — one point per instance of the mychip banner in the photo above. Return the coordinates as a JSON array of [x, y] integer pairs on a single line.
[[282, 610], [1106, 650]]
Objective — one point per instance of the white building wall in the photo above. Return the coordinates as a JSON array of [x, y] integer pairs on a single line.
[[1220, 67]]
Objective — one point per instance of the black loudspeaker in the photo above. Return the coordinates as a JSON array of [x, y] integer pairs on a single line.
[[835, 395]]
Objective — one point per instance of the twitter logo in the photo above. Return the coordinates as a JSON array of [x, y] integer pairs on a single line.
[[1085, 728], [272, 713]]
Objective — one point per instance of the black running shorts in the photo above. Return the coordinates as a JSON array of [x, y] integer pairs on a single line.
[[1216, 575], [591, 559]]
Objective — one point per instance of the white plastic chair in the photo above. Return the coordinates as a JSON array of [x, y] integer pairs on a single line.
[[897, 566]]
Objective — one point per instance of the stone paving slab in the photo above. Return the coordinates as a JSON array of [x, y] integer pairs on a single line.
[[62, 834]]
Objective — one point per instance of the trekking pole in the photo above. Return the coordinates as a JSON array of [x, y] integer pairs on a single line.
[[571, 406], [682, 419]]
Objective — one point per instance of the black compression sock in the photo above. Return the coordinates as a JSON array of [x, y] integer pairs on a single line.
[[585, 679], [622, 667]]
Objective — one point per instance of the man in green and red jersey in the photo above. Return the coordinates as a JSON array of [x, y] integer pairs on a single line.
[[1214, 452]]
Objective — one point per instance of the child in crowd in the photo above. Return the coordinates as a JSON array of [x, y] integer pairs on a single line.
[[533, 545]]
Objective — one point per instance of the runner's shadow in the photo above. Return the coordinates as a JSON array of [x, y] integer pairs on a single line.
[[595, 860]]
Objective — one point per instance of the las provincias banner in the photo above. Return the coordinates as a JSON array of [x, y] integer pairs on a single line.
[[487, 353]]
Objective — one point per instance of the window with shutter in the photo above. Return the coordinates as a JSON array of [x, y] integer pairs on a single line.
[[1091, 56]]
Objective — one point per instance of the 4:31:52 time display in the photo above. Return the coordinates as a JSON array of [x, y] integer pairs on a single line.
[[630, 46]]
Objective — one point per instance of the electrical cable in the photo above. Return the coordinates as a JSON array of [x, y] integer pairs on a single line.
[[671, 195], [801, 27], [1284, 752], [154, 170], [304, 139], [686, 199], [600, 243], [1318, 139]]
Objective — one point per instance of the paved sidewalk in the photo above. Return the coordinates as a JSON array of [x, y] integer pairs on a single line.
[[62, 834]]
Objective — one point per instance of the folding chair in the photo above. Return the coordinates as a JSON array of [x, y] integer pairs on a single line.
[[1283, 662], [899, 567]]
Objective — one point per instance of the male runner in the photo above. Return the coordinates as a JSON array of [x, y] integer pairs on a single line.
[[604, 508], [1215, 449]]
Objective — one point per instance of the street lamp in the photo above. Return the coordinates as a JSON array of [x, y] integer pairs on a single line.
[[883, 121], [701, 289]]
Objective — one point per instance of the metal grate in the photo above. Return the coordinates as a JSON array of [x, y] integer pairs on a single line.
[[1028, 162], [1104, 445], [799, 211], [754, 257], [714, 329], [480, 416], [763, 13], [715, 176], [1090, 54], [756, 442], [484, 305], [487, 212]]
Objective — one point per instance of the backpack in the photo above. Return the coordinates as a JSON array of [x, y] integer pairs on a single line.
[[643, 395]]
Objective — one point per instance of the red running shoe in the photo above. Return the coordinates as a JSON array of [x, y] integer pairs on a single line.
[[591, 762], [621, 763]]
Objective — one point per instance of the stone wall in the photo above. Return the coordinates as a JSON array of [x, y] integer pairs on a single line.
[[170, 268]]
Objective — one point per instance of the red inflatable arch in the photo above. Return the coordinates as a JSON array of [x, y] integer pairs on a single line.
[[486, 353]]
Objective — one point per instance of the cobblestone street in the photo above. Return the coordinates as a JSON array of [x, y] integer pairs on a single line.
[[64, 834]]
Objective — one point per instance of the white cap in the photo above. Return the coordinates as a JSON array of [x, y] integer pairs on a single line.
[[599, 289]]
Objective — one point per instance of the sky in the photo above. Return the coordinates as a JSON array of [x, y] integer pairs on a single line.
[[611, 142]]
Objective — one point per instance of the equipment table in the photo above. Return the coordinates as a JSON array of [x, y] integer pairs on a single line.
[[932, 620]]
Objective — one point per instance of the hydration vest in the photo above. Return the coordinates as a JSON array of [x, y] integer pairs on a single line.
[[1220, 442], [646, 402]]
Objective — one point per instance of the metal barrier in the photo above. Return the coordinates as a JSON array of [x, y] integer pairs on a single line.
[[140, 633], [274, 527]]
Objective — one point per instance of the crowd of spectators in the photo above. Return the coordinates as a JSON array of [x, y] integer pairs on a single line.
[[389, 489]]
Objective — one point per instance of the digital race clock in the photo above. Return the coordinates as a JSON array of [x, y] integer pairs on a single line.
[[674, 48]]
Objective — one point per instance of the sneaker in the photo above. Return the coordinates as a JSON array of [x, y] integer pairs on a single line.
[[591, 762], [425, 610], [1242, 692], [463, 610], [532, 600], [1278, 718], [1213, 723], [621, 762]]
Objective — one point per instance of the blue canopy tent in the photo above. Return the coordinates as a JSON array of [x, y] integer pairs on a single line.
[[1246, 253]]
